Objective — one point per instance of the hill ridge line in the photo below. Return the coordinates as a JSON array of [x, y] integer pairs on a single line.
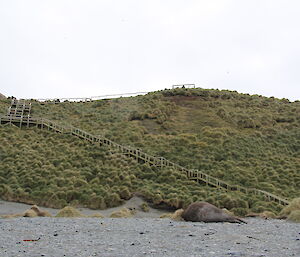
[[192, 174]]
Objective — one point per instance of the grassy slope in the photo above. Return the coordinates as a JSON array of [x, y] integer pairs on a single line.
[[53, 170], [248, 140], [4, 104]]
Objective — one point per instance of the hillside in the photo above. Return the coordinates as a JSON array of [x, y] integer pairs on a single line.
[[54, 170], [251, 141], [2, 96]]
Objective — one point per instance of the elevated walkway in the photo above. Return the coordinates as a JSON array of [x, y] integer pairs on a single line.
[[19, 108]]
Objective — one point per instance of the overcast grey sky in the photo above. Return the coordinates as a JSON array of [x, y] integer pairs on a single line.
[[81, 48]]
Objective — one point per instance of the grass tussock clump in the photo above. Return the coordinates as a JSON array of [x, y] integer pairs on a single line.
[[294, 216], [293, 206], [177, 215], [165, 216], [228, 212], [30, 214], [96, 215], [11, 216], [263, 215], [69, 212], [33, 212], [122, 213], [145, 207], [268, 215], [173, 216]]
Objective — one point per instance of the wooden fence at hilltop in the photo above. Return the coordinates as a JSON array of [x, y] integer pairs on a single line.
[[86, 99]]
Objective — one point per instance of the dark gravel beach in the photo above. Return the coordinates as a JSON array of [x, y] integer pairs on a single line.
[[146, 237]]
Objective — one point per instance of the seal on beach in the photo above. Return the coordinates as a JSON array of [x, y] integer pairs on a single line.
[[35, 211], [206, 212]]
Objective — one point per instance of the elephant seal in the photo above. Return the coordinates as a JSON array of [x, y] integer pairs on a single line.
[[203, 211]]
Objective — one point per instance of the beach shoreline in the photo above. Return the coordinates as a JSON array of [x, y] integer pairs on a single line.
[[43, 236]]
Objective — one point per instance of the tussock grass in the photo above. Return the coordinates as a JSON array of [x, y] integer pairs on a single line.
[[122, 213], [248, 140], [33, 212], [173, 216], [293, 206], [30, 214], [165, 216], [294, 216], [69, 212], [11, 216], [177, 215], [268, 215], [144, 207], [96, 215]]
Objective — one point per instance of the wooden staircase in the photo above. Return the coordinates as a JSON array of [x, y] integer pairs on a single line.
[[19, 108], [137, 154]]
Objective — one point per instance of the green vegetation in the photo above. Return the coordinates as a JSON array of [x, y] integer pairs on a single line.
[[4, 104], [251, 141]]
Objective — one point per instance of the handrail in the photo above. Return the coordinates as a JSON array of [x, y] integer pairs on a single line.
[[86, 99], [159, 161]]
